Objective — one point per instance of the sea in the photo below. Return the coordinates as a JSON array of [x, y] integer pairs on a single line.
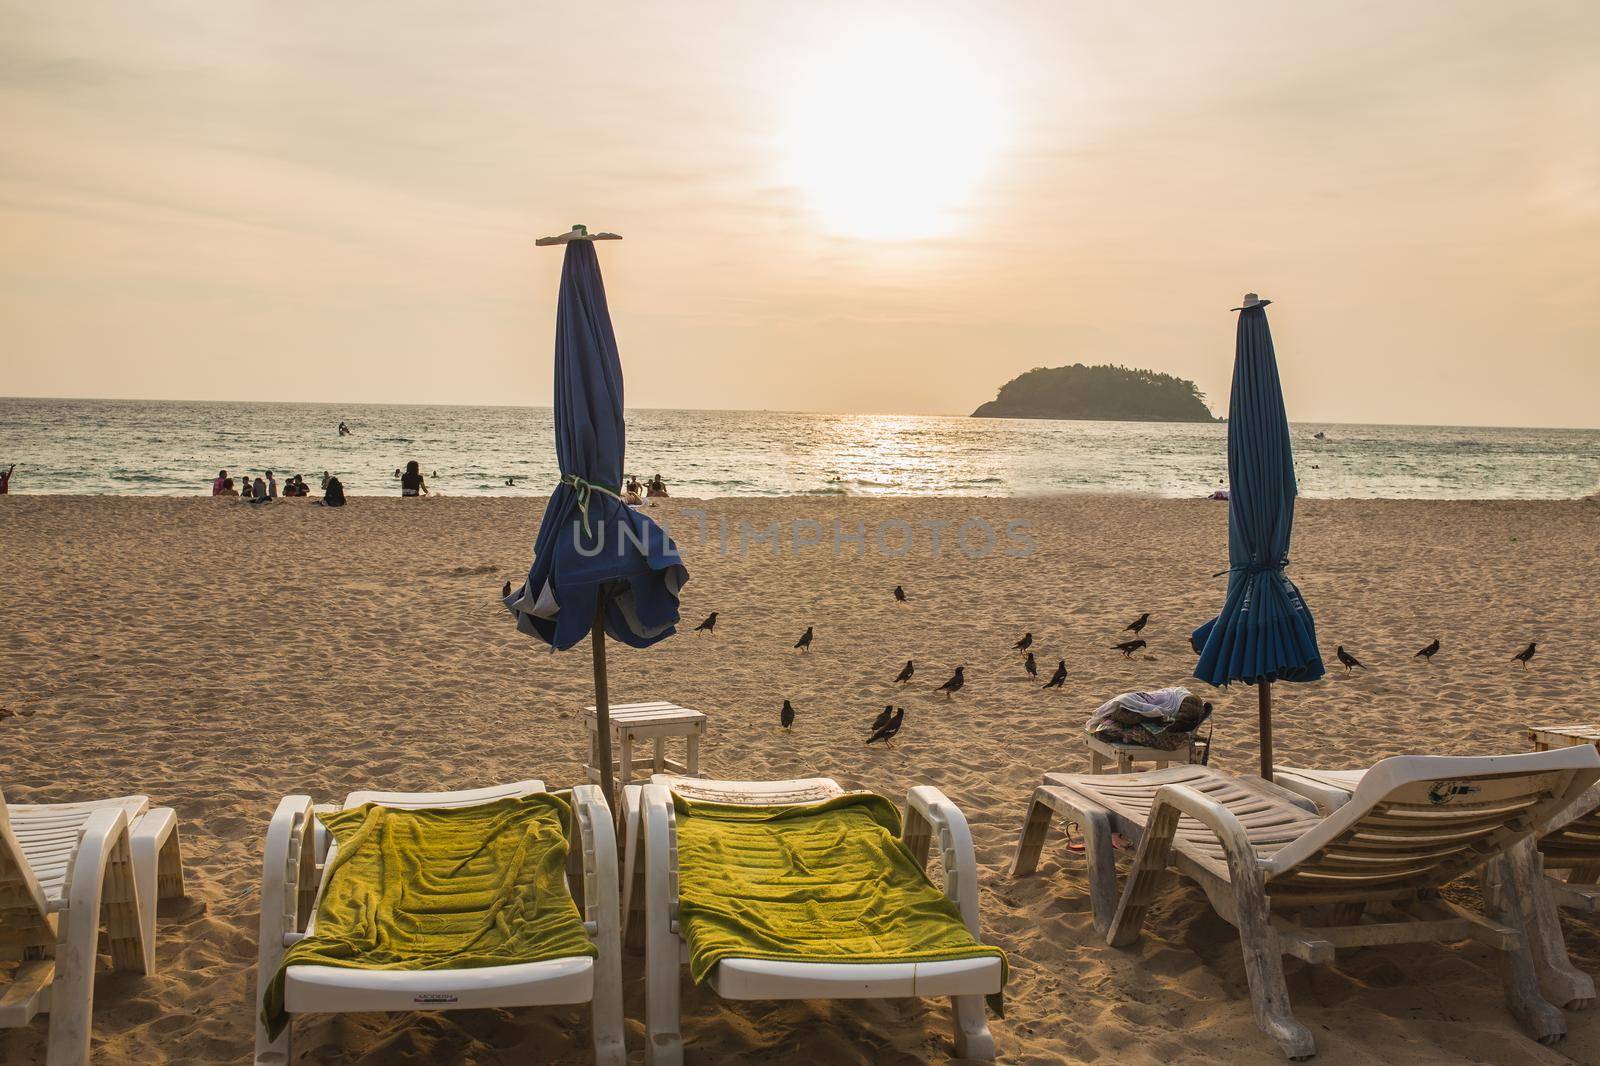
[[135, 447]]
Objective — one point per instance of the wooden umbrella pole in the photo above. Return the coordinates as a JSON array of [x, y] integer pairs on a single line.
[[602, 704], [1264, 691]]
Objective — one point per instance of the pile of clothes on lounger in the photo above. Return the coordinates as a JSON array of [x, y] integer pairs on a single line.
[[1164, 719]]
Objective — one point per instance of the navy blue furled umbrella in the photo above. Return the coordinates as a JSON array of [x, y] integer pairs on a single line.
[[599, 566], [1264, 632]]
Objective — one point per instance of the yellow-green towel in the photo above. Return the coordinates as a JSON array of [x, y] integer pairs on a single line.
[[443, 888], [822, 882]]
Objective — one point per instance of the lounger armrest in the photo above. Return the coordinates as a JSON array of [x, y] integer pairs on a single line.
[[1327, 798], [928, 813], [288, 877], [101, 834], [597, 841], [1230, 831]]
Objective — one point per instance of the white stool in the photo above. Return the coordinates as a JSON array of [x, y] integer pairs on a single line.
[[655, 722], [1125, 756]]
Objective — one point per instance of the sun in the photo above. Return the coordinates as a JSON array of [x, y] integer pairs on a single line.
[[890, 131]]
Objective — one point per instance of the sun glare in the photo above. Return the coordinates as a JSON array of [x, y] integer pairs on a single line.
[[890, 131]]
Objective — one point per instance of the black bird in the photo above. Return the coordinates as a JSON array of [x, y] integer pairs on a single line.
[[1058, 678], [709, 625], [883, 718], [957, 679], [786, 716], [887, 731], [1031, 667], [1025, 643], [1137, 625], [905, 674], [505, 591], [1526, 653], [1429, 652], [1128, 647], [804, 643], [1348, 659], [900, 594]]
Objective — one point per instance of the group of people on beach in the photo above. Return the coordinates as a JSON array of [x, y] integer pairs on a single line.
[[634, 493], [264, 489]]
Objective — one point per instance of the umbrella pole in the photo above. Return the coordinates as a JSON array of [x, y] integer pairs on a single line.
[[1264, 692], [602, 704]]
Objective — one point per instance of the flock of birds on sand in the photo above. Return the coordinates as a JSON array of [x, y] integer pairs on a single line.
[[889, 720]]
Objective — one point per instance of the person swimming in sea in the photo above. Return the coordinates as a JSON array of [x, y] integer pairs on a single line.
[[344, 430]]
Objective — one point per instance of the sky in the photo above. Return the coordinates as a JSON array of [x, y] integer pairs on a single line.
[[855, 206]]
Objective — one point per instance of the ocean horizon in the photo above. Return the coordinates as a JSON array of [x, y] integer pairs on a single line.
[[175, 448]]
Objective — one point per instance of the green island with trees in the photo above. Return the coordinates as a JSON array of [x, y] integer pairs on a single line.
[[1106, 393]]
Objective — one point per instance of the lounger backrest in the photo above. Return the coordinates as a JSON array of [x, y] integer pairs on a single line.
[[1420, 821], [25, 920]]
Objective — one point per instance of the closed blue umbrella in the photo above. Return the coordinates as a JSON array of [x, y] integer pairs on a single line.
[[599, 566], [1264, 632]]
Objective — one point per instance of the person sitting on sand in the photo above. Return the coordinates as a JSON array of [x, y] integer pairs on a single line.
[[216, 486], [633, 492], [258, 491], [244, 487], [227, 488], [411, 482], [332, 493], [657, 487]]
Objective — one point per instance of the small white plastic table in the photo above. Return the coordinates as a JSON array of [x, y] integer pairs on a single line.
[[1563, 736], [1125, 756], [655, 722]]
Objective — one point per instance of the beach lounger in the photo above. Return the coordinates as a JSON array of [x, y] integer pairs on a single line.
[[1365, 875], [300, 854], [66, 870], [653, 854], [1568, 840]]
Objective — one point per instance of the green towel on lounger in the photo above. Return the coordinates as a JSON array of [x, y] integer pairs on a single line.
[[821, 882], [442, 888]]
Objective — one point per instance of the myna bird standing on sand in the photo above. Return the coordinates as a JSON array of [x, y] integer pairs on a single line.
[[1031, 667], [957, 679], [505, 591], [883, 717], [905, 674], [1429, 652], [1348, 659], [1025, 643], [887, 731], [1058, 678], [1137, 625], [1128, 647], [900, 594], [1526, 653], [804, 643], [709, 625], [786, 716]]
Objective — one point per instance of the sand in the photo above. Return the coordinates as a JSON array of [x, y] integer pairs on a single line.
[[218, 657]]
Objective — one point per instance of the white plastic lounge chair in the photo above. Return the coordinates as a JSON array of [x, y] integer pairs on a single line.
[[1413, 824], [297, 854], [66, 869], [651, 818], [1569, 840]]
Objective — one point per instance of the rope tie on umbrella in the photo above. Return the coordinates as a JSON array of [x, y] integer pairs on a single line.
[[1254, 568], [585, 491]]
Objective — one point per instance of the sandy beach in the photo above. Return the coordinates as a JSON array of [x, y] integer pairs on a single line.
[[218, 656]]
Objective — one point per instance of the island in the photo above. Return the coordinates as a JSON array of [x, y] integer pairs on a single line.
[[1106, 393]]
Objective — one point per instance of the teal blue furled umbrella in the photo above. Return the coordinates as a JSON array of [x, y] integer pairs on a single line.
[[1264, 632], [599, 566]]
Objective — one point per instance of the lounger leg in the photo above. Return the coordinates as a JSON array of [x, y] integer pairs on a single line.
[[1504, 902], [973, 1039], [1035, 827], [1102, 867], [1263, 967], [1149, 873], [1563, 983]]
